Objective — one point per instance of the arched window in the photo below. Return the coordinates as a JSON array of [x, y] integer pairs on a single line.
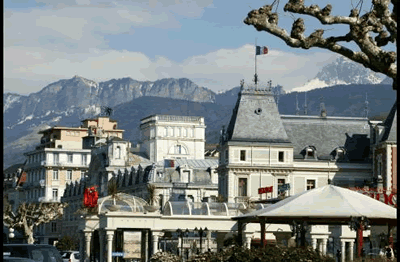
[[118, 152], [178, 150]]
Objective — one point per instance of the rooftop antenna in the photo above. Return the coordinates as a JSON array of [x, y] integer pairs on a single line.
[[366, 107], [277, 93], [322, 107], [269, 85], [305, 103], [297, 107]]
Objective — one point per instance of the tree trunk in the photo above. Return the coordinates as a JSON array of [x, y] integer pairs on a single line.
[[28, 233]]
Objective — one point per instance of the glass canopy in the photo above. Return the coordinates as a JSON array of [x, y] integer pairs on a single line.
[[121, 203]]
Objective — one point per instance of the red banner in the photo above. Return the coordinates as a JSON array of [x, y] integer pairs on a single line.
[[268, 189], [90, 197]]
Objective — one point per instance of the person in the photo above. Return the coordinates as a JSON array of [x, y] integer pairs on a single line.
[[338, 255]]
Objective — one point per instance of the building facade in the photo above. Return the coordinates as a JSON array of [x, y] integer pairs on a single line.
[[172, 137], [290, 153], [59, 159]]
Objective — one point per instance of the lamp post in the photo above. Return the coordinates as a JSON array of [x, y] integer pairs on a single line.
[[201, 231], [181, 235], [359, 224]]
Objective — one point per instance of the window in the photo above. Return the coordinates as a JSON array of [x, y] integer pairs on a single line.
[[118, 152], [84, 160], [281, 156], [184, 132], [310, 184], [70, 158], [55, 158], [178, 133], [178, 149], [242, 187], [55, 194], [69, 174], [55, 174], [53, 227], [242, 155]]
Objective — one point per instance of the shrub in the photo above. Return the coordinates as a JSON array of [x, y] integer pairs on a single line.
[[269, 253], [165, 257], [67, 243]]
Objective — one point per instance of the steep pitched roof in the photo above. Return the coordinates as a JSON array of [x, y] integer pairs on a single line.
[[256, 118], [325, 134], [390, 133]]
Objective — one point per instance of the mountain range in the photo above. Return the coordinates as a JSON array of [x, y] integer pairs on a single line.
[[68, 101]]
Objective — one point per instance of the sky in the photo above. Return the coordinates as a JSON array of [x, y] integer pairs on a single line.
[[205, 41]]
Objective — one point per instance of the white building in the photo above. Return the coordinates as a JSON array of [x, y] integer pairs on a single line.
[[172, 137]]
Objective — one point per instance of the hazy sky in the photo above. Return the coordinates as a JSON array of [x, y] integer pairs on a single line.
[[204, 40]]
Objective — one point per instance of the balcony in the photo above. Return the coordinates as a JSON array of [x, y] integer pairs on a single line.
[[47, 200]]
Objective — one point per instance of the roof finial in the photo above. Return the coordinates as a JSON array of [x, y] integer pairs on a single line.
[[269, 85], [305, 103], [366, 108], [241, 84]]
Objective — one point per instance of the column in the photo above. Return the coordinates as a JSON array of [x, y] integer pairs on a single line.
[[324, 245], [88, 238], [101, 240], [320, 246], [314, 243], [155, 242], [248, 242], [110, 236], [262, 223], [351, 250], [343, 250], [146, 245], [208, 239], [240, 232]]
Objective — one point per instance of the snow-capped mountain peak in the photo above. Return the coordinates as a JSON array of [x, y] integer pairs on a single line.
[[342, 71]]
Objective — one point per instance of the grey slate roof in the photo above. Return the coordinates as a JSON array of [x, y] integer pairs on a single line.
[[325, 134], [197, 163], [256, 118], [390, 133]]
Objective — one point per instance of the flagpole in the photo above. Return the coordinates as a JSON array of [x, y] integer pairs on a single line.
[[255, 64]]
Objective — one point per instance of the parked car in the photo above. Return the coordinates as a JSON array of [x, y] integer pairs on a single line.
[[35, 252], [70, 256]]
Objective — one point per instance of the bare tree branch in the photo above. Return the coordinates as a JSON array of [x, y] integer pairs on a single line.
[[379, 20], [32, 215]]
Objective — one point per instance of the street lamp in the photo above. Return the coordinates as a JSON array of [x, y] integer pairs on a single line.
[[201, 231], [359, 224], [181, 235]]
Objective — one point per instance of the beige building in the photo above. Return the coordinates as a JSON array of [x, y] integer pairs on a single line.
[[59, 159]]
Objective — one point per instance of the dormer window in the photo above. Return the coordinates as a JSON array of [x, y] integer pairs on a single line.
[[310, 152], [338, 153]]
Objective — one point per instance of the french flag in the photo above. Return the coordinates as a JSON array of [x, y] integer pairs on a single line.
[[261, 50]]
